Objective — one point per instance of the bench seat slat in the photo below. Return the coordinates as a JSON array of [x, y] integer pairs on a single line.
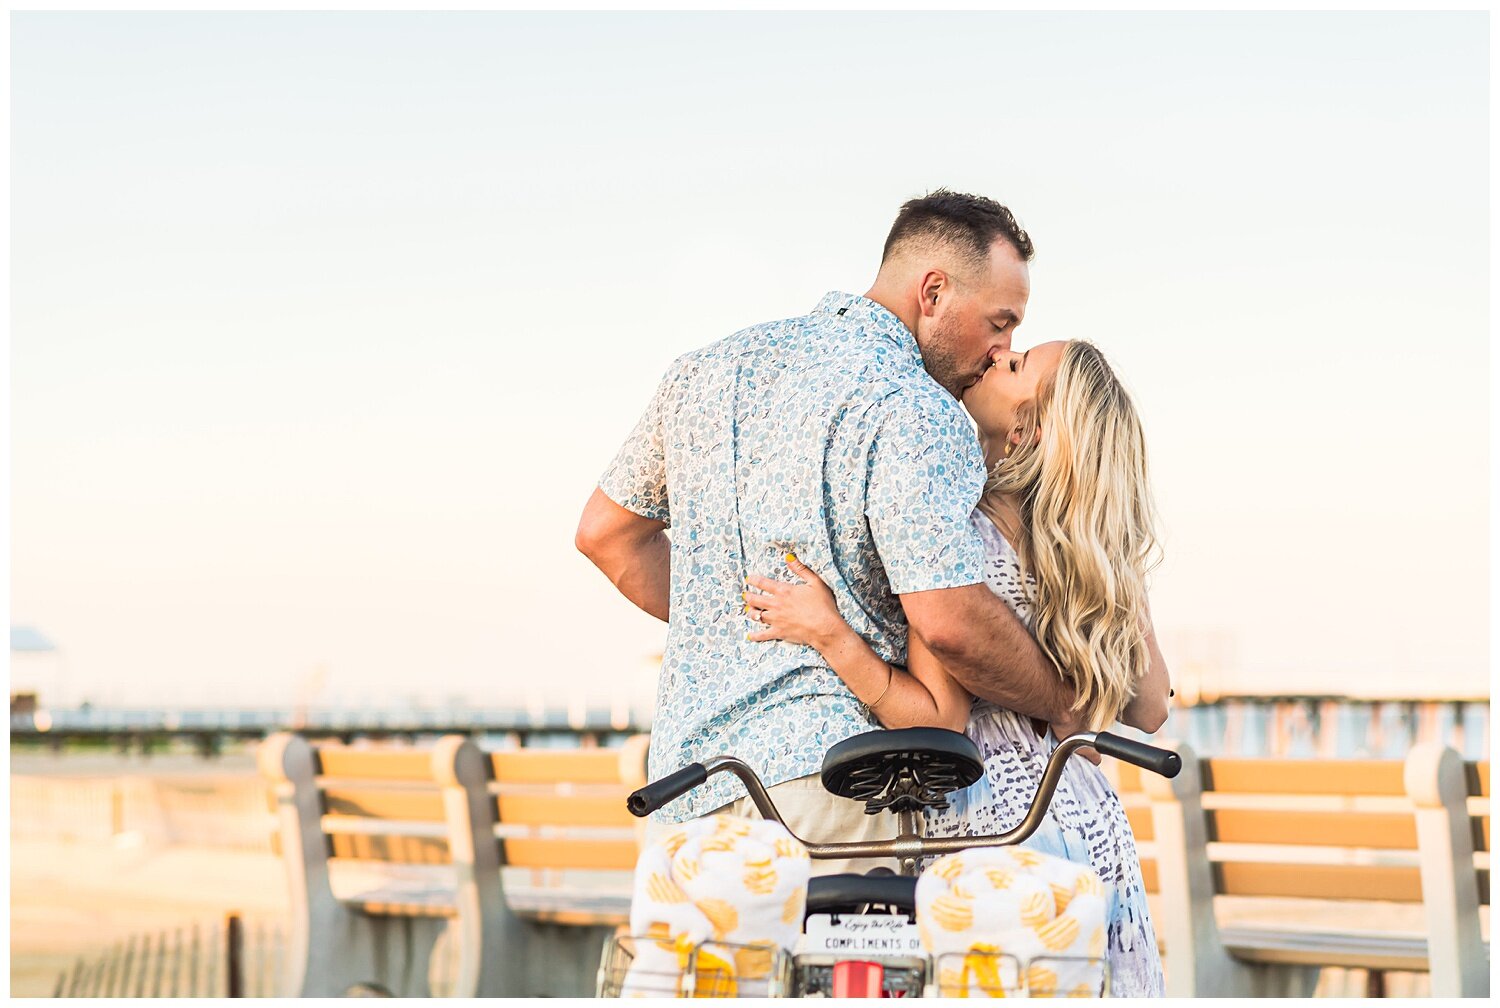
[[569, 907], [1325, 948], [379, 886]]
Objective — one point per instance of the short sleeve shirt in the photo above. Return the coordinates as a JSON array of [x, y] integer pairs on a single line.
[[821, 436]]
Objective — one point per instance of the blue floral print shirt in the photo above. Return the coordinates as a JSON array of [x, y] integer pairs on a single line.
[[821, 436]]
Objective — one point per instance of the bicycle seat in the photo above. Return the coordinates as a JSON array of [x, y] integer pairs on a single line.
[[903, 770]]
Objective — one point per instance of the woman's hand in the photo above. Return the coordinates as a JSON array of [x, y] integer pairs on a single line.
[[798, 613]]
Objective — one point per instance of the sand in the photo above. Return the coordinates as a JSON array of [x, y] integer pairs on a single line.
[[75, 899]]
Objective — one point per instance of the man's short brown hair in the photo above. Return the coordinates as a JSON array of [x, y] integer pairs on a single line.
[[968, 224]]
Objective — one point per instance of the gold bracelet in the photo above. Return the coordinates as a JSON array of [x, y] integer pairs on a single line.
[[890, 678]]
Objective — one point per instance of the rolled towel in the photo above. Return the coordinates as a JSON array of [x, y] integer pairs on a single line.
[[1041, 910], [722, 880]]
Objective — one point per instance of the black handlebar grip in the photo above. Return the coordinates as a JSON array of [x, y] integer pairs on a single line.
[[1147, 757], [674, 785]]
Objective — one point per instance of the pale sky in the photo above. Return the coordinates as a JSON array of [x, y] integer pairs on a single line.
[[325, 325]]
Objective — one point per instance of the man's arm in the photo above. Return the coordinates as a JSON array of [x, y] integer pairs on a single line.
[[985, 647], [632, 551], [623, 525], [1148, 709]]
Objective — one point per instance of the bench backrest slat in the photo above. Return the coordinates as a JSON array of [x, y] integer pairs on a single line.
[[1300, 777], [551, 766], [1270, 779], [355, 763], [1477, 781], [553, 852], [1379, 831], [404, 804], [1318, 881], [361, 788], [1345, 830], [607, 809]]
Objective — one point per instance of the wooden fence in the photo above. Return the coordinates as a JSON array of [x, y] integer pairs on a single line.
[[231, 957], [234, 956]]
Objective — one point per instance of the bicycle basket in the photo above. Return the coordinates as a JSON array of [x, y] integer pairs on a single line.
[[900, 976], [639, 966], [995, 974]]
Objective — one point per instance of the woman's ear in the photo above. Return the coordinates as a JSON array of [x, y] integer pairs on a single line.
[[1015, 437]]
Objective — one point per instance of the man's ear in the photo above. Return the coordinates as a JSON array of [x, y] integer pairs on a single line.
[[935, 285]]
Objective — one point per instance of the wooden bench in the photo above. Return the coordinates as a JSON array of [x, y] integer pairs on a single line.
[[1304, 836], [537, 817], [387, 849]]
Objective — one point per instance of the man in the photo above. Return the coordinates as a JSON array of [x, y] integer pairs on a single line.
[[839, 437]]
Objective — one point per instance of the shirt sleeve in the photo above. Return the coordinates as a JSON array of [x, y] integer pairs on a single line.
[[637, 478], [926, 476]]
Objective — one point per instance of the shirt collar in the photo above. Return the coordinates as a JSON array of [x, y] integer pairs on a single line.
[[873, 318]]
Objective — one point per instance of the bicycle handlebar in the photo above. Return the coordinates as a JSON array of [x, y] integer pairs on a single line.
[[1147, 757], [656, 794]]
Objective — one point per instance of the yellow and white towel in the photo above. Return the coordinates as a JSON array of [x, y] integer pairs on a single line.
[[1041, 909], [717, 879]]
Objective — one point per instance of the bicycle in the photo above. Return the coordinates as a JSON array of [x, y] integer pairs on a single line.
[[901, 772]]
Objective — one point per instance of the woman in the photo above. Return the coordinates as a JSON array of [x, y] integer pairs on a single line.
[[1066, 518]]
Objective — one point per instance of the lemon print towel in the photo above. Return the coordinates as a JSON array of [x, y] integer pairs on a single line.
[[722, 880], [1046, 913]]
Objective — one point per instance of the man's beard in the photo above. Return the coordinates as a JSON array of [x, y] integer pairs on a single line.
[[941, 360]]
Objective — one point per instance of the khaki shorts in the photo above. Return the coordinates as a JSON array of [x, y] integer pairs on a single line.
[[817, 817]]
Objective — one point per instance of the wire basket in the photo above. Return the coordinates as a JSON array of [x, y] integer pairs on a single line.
[[643, 966], [995, 974], [900, 976]]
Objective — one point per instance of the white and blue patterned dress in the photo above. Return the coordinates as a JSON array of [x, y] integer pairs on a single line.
[[1086, 822]]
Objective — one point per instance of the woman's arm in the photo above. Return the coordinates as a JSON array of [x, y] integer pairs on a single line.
[[807, 614], [1147, 710]]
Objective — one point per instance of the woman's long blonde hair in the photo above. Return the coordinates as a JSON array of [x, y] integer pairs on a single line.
[[1087, 530]]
